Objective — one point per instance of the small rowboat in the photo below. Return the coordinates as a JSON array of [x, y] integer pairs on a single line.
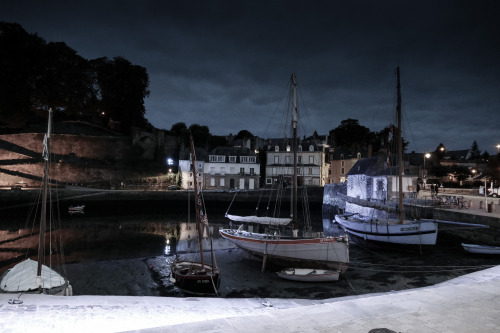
[[309, 274], [482, 249]]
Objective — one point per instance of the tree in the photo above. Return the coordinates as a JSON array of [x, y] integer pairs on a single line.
[[475, 153], [19, 67], [243, 134], [200, 134], [122, 88], [350, 134]]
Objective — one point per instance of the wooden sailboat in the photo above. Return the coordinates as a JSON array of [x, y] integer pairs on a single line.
[[31, 276], [398, 232], [197, 277], [281, 245]]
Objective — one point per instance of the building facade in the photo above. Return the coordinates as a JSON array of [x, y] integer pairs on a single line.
[[311, 167]]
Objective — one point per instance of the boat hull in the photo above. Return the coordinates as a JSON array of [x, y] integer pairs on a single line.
[[190, 277], [421, 233], [308, 275], [329, 252], [481, 249]]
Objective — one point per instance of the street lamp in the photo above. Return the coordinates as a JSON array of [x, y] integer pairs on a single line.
[[426, 156]]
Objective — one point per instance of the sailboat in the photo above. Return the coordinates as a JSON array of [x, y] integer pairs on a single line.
[[197, 277], [281, 242], [30, 276], [373, 231]]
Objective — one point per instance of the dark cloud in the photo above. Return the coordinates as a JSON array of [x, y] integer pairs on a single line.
[[225, 64]]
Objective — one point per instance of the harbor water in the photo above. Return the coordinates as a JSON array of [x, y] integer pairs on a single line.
[[125, 248]]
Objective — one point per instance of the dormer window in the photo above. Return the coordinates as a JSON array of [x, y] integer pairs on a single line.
[[287, 147], [299, 148], [341, 156], [276, 148], [311, 148]]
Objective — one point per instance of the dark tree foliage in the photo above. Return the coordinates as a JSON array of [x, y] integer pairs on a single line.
[[123, 87], [243, 134], [475, 153], [19, 69], [350, 134], [201, 135], [179, 129], [36, 76]]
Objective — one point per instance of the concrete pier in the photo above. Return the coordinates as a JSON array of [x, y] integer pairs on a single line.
[[469, 303]]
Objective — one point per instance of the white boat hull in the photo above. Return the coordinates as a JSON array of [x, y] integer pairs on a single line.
[[481, 249], [331, 252], [308, 275], [422, 232]]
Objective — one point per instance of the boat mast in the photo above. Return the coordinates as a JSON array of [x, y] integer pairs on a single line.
[[400, 150], [43, 217], [196, 201], [294, 146]]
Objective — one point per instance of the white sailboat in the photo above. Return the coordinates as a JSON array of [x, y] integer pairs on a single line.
[[400, 231], [30, 276], [281, 245]]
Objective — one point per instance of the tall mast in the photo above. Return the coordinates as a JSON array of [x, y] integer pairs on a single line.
[[43, 217], [400, 150], [294, 146], [197, 201]]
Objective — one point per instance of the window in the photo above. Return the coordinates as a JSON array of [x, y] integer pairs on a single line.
[[221, 182], [311, 148], [252, 171], [232, 159], [341, 156], [276, 160], [269, 181], [342, 171], [217, 158], [299, 148], [287, 147], [275, 171], [298, 171], [242, 171], [276, 148], [212, 181], [223, 171], [342, 163], [212, 170], [299, 159], [310, 171], [287, 159], [311, 159], [247, 159], [190, 175]]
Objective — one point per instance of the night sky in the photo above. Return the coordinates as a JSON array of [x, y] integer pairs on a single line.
[[226, 64]]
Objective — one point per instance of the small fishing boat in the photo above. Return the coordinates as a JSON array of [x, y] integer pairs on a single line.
[[481, 249], [192, 276], [80, 209], [309, 274]]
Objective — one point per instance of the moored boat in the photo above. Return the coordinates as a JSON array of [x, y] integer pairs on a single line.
[[309, 274], [481, 249], [282, 242], [197, 277]]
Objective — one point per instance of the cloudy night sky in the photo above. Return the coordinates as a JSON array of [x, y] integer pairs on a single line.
[[226, 64]]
